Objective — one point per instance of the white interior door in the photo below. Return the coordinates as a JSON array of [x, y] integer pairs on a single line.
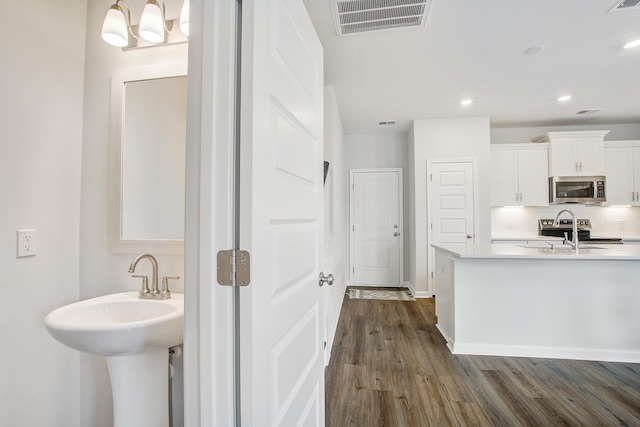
[[451, 207], [376, 227], [281, 216]]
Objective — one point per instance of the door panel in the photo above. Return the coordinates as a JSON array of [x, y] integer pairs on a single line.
[[376, 227], [282, 211], [451, 206]]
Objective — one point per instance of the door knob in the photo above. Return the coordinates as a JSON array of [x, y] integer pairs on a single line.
[[326, 279], [396, 234], [469, 236]]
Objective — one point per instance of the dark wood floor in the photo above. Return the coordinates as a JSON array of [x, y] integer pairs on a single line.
[[390, 367]]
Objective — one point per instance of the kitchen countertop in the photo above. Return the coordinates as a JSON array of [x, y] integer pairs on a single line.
[[544, 251], [529, 238], [545, 238]]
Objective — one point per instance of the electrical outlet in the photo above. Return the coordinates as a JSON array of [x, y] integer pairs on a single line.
[[26, 243]]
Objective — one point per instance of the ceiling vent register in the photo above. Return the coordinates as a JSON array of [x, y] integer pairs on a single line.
[[626, 5], [360, 16]]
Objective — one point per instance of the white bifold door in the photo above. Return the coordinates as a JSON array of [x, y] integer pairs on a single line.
[[376, 227]]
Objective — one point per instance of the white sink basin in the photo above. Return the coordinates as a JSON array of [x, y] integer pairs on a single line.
[[119, 324]]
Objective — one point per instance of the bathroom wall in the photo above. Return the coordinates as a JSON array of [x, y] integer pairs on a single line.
[[102, 272], [41, 120]]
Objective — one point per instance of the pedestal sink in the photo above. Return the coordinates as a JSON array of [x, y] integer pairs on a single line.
[[135, 336]]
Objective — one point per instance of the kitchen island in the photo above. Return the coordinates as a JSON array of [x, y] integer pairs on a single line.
[[541, 300]]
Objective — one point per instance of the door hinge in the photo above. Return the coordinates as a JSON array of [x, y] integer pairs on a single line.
[[353, 269], [234, 268], [430, 177], [353, 228], [432, 274]]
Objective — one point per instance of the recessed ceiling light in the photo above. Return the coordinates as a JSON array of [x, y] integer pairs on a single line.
[[632, 44], [564, 98], [466, 101]]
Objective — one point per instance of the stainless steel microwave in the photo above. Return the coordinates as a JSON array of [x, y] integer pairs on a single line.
[[577, 189]]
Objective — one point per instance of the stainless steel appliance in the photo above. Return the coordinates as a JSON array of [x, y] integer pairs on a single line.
[[546, 228], [577, 189]]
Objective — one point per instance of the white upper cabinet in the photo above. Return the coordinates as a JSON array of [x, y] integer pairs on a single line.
[[622, 167], [575, 153], [519, 175]]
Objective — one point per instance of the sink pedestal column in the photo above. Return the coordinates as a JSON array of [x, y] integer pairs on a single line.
[[140, 387]]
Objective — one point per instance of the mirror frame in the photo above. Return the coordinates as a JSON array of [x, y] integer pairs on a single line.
[[118, 93]]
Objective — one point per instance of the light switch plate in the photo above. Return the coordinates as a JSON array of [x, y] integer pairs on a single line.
[[26, 243]]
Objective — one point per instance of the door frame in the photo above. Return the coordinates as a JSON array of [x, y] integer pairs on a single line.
[[476, 224], [209, 308], [400, 217]]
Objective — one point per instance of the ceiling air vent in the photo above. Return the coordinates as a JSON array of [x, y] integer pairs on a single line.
[[360, 16], [626, 5]]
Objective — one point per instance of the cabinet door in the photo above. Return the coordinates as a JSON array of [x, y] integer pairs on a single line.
[[619, 171], [533, 177], [636, 175], [504, 178], [562, 157], [590, 155]]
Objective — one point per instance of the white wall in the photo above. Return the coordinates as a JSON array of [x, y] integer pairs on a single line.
[[520, 135], [102, 272], [377, 151], [336, 224], [623, 222], [450, 138], [41, 122]]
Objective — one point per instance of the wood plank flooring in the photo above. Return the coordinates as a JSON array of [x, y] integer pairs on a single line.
[[390, 367]]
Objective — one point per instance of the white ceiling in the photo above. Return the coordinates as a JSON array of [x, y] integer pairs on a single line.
[[477, 49]]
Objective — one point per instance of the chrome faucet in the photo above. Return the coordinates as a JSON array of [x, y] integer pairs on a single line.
[[145, 292], [556, 223]]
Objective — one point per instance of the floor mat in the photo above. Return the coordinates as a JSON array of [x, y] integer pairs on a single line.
[[383, 294]]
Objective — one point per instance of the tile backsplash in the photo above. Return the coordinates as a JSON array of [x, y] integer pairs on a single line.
[[605, 221]]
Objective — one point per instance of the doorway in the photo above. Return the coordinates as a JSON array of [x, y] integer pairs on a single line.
[[376, 225], [452, 206]]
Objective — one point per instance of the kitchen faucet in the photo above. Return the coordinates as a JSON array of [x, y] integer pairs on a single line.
[[145, 293], [556, 223]]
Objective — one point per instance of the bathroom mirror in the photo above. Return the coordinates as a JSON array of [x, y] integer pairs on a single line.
[[148, 142]]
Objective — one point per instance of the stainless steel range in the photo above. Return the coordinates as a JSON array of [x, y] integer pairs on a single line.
[[546, 228]]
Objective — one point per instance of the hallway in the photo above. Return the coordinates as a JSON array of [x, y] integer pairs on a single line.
[[390, 367]]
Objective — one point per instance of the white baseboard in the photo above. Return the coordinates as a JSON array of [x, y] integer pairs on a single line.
[[423, 294], [409, 285], [602, 355]]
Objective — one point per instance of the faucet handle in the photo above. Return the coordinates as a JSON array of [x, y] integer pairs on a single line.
[[145, 283], [166, 293]]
